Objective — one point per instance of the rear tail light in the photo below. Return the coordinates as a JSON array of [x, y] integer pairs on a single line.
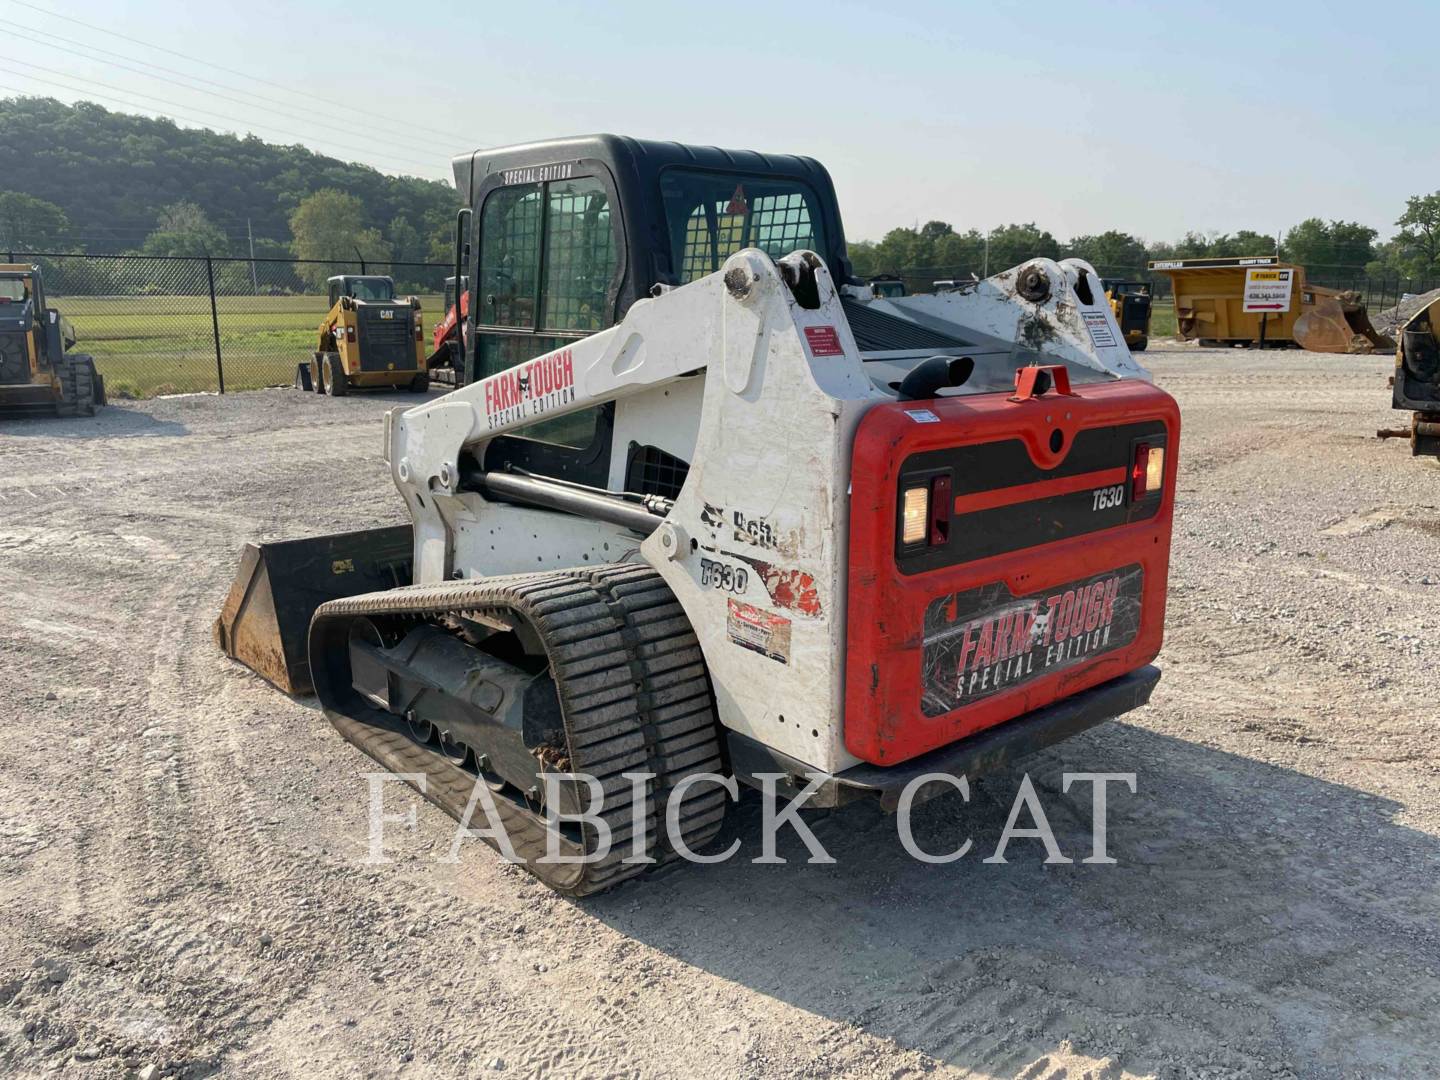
[[349, 333], [1147, 475], [915, 515], [925, 513]]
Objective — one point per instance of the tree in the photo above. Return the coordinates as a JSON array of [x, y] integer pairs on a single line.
[[183, 230], [1314, 244], [1419, 236], [404, 240], [330, 225], [1250, 242], [1115, 254], [1011, 245], [28, 223], [112, 174]]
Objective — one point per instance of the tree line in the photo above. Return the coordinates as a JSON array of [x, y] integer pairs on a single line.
[[1327, 249], [82, 178], [85, 179]]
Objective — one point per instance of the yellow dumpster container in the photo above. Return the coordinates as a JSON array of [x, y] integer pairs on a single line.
[[1209, 300]]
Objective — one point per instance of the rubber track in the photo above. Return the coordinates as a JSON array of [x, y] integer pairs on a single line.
[[77, 386], [676, 705], [617, 717]]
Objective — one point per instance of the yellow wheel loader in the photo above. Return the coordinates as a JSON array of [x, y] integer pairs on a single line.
[[38, 372], [369, 340]]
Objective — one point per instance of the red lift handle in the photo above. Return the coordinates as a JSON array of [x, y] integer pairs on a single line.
[[1031, 382]]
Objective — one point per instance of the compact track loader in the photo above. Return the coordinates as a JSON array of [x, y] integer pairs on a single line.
[[1130, 302], [444, 362], [708, 506], [38, 372], [368, 340]]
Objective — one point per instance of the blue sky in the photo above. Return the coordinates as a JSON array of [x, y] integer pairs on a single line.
[[1152, 118]]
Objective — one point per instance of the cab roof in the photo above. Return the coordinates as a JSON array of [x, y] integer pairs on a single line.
[[643, 158]]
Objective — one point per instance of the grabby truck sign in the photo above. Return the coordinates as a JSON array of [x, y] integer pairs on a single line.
[[986, 640], [1268, 290]]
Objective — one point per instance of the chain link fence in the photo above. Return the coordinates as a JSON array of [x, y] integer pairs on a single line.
[[159, 325], [162, 325]]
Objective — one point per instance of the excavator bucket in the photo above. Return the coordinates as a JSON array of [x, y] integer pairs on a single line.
[[1338, 323], [266, 618]]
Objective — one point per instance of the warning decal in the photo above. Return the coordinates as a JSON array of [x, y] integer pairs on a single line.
[[759, 630], [1099, 327], [823, 341], [986, 640]]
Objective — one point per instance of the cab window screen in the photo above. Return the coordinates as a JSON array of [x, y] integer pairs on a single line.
[[713, 215], [372, 289], [580, 260], [510, 256]]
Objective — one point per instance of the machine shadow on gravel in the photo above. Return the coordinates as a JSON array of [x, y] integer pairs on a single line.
[[1231, 925], [112, 422]]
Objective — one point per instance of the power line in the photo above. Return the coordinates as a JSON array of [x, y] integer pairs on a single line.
[[70, 46], [220, 116], [193, 59]]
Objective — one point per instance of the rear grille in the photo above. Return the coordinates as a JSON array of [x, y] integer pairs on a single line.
[[385, 342], [1136, 313], [875, 331], [14, 359]]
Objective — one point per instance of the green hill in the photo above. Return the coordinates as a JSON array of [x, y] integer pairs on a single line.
[[113, 173]]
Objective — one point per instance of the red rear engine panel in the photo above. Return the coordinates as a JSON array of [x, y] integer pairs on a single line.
[[1039, 569]]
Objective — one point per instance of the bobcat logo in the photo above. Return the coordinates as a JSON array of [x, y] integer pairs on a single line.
[[524, 386]]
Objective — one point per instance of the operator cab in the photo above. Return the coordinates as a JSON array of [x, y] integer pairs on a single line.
[[450, 290], [887, 286], [565, 235], [21, 301], [562, 237], [364, 287], [1128, 288]]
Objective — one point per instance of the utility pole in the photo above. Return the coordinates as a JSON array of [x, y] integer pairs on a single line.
[[985, 269], [254, 281]]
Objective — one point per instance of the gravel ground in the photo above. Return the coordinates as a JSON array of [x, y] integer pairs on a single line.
[[182, 880]]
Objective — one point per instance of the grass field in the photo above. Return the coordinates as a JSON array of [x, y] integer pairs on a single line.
[[1162, 319], [150, 345]]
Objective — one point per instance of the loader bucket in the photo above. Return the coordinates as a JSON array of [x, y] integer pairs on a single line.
[[266, 618], [1339, 323]]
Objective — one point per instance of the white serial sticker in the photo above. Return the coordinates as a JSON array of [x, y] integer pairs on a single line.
[[922, 416], [1099, 328]]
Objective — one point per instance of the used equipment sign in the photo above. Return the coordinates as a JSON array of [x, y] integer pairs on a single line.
[[1268, 290]]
